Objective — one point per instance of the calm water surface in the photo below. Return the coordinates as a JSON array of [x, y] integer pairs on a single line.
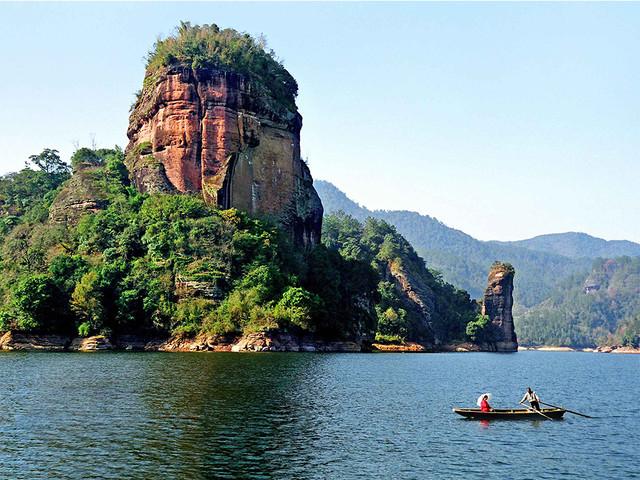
[[220, 415]]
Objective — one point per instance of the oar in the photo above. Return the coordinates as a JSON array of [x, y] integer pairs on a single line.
[[570, 411], [537, 411]]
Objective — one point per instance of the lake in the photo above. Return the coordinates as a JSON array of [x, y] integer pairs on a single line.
[[225, 415]]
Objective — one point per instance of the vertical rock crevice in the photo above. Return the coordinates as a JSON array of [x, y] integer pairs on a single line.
[[201, 114]]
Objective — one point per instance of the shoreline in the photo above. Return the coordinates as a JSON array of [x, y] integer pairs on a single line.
[[617, 349], [254, 342]]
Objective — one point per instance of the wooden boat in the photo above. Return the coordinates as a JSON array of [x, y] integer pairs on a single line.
[[510, 414]]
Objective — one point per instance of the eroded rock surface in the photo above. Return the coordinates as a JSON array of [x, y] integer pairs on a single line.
[[81, 194], [212, 131], [21, 341], [91, 344], [417, 298], [498, 304], [406, 347], [284, 342]]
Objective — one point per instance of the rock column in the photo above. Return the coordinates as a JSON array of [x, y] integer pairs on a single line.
[[498, 304]]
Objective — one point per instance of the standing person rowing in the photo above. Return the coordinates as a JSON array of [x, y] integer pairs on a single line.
[[531, 397]]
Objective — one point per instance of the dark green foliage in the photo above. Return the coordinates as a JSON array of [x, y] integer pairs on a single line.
[[378, 245], [588, 309], [33, 301], [392, 317], [31, 191], [86, 156], [189, 315], [298, 307], [49, 162], [629, 332], [161, 264], [66, 271], [347, 287], [207, 46], [158, 264], [481, 330]]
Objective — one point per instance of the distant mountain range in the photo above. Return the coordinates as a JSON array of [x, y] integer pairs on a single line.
[[578, 245], [541, 263]]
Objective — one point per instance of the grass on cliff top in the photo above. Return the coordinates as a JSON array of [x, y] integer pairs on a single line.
[[503, 266], [207, 46]]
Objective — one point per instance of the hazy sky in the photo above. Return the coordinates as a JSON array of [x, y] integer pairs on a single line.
[[505, 120]]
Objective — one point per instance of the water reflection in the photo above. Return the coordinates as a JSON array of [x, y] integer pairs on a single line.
[[534, 423], [129, 415], [244, 414]]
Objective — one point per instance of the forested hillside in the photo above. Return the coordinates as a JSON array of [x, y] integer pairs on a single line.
[[558, 301], [600, 308], [578, 245], [86, 253], [414, 302], [463, 260]]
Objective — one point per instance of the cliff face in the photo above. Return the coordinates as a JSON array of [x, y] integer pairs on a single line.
[[213, 131], [498, 302], [417, 298]]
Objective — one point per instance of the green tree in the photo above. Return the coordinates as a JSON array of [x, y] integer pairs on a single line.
[[86, 156], [66, 271], [299, 307], [392, 323], [49, 162], [482, 330], [28, 189], [87, 303], [190, 315], [35, 303]]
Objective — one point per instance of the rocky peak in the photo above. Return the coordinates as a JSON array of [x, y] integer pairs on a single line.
[[82, 193], [211, 128], [498, 303]]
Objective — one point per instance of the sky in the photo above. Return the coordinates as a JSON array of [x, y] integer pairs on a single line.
[[504, 120]]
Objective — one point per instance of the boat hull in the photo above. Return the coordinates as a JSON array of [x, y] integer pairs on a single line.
[[510, 414]]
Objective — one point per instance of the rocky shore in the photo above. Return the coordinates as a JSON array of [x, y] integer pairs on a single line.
[[419, 348], [252, 342], [408, 347], [604, 349], [614, 349]]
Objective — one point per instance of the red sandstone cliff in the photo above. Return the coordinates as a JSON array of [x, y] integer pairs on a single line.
[[213, 131]]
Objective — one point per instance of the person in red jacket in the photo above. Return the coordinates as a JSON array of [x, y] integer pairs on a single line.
[[484, 404]]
